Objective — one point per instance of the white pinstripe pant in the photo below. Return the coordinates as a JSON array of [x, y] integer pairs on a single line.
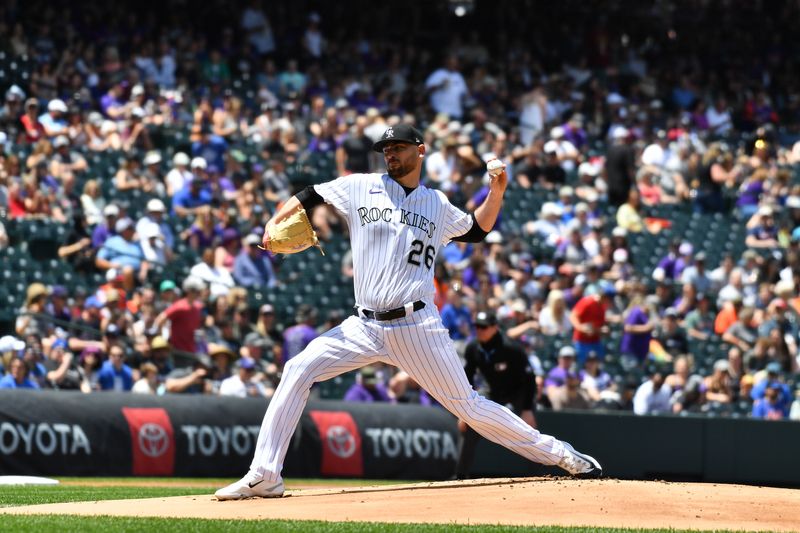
[[418, 344]]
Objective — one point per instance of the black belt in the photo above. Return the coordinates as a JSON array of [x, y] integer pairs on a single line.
[[392, 314]]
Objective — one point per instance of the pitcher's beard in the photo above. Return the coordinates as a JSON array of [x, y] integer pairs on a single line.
[[398, 170]]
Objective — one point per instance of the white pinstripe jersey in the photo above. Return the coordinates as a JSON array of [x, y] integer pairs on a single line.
[[394, 237]]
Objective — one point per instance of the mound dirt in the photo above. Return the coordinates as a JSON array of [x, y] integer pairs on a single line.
[[529, 501]]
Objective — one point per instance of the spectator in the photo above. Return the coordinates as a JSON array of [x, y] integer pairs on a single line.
[[652, 396], [53, 121], [367, 388], [179, 175], [571, 395], [155, 217], [124, 253], [17, 376], [106, 228], [716, 172], [557, 376], [34, 130], [742, 334], [405, 390], [185, 316], [771, 406], [218, 279], [456, 316], [729, 313], [588, 320], [115, 374], [761, 230], [149, 382], [595, 381], [548, 227], [637, 330], [90, 362], [699, 322], [447, 89], [195, 196], [696, 274], [670, 335], [242, 384], [352, 154], [717, 386], [297, 337], [63, 373], [252, 266], [628, 216], [620, 163], [191, 380], [35, 302], [554, 318]]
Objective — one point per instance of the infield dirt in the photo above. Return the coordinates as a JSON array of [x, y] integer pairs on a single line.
[[528, 501]]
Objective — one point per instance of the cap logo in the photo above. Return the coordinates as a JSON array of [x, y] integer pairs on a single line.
[[389, 133]]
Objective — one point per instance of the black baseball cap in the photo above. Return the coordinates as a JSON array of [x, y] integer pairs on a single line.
[[485, 318], [399, 133]]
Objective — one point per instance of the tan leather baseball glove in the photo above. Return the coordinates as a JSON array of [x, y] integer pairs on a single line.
[[293, 234]]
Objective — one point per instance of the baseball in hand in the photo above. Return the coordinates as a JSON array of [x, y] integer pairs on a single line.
[[495, 167]]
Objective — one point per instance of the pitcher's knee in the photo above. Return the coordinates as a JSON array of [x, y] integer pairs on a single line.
[[465, 408], [296, 371]]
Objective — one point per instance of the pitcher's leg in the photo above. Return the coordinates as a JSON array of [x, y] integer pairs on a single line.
[[425, 351], [344, 348]]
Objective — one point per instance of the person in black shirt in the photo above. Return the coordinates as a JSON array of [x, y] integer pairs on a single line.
[[504, 367], [352, 155], [620, 167], [716, 171]]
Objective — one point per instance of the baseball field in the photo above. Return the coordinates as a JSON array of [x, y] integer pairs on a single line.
[[529, 504]]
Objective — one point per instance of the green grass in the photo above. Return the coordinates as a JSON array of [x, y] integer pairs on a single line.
[[106, 524], [12, 496], [119, 489]]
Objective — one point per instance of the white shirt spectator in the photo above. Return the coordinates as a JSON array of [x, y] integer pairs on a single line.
[[448, 97], [719, 122], [176, 179], [655, 155], [257, 25], [439, 169], [550, 325], [646, 401], [314, 42], [165, 72], [234, 386], [220, 281]]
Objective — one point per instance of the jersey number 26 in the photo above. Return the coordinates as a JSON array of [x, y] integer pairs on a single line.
[[416, 253]]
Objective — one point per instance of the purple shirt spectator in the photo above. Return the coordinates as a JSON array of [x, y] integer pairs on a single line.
[[296, 338], [668, 266], [636, 344], [557, 377], [360, 393], [750, 194], [100, 235]]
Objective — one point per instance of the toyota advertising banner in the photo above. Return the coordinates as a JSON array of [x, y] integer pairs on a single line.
[[117, 434]]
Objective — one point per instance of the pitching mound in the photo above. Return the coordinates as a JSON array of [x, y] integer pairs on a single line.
[[530, 501]]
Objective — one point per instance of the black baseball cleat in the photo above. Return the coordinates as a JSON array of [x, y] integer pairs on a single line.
[[579, 464]]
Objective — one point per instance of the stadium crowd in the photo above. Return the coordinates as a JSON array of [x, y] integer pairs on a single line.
[[647, 257]]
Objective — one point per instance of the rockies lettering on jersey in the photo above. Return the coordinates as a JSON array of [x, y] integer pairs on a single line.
[[373, 214]]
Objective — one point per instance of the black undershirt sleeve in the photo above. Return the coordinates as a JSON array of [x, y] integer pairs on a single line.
[[475, 233], [309, 198]]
